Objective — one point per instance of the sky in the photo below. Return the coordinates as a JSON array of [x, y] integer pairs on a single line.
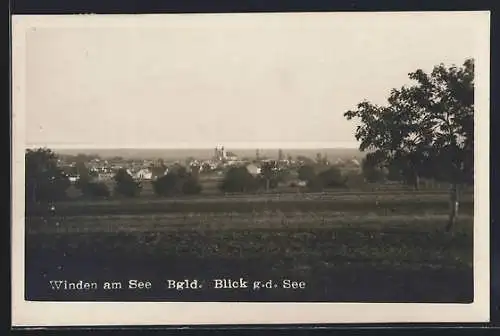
[[249, 81]]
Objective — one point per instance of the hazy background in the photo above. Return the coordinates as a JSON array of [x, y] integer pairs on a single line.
[[244, 81]]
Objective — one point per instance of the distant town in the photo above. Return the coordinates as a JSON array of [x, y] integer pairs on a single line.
[[103, 169]]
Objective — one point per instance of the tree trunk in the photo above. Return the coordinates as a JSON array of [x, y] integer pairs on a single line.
[[267, 184], [454, 202], [416, 181]]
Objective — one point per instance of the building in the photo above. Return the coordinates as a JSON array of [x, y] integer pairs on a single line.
[[144, 174], [219, 153], [253, 169], [105, 176], [355, 163], [230, 156]]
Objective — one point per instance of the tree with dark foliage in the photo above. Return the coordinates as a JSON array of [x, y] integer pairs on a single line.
[[306, 173], [95, 190], [125, 185], [191, 186], [45, 180], [177, 181], [269, 174], [167, 185], [238, 179], [332, 178], [372, 169], [427, 129]]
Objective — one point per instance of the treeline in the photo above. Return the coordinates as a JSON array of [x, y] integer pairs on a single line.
[[47, 181]]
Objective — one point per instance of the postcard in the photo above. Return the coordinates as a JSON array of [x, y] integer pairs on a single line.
[[250, 168]]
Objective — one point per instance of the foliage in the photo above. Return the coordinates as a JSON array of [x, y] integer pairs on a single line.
[[332, 178], [191, 186], [179, 170], [426, 129], [205, 168], [125, 184], [306, 173], [305, 160], [372, 170], [269, 174], [84, 175], [177, 181], [238, 179], [355, 180], [45, 180], [319, 177], [167, 185], [95, 190]]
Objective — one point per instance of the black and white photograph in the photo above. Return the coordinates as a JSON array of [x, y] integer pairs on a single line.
[[250, 168]]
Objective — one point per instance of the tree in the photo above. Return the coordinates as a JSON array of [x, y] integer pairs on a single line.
[[45, 180], [331, 178], [125, 185], [426, 129], [355, 180], [84, 175], [191, 186], [167, 185], [305, 160], [268, 171], [238, 179], [174, 183], [95, 190], [372, 169], [319, 158], [206, 167], [189, 160], [306, 173], [179, 170]]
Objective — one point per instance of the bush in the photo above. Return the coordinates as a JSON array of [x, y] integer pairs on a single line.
[[191, 186], [315, 184], [45, 181], [125, 184], [372, 171], [238, 179], [167, 185], [174, 183], [95, 189], [332, 178], [355, 180], [307, 173]]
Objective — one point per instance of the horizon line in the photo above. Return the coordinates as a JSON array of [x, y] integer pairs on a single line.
[[234, 146]]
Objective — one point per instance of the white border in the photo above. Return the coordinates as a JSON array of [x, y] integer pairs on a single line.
[[25, 313]]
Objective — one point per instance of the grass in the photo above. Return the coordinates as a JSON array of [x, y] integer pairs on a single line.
[[403, 202], [347, 248]]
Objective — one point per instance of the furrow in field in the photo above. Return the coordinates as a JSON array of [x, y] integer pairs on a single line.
[[217, 221]]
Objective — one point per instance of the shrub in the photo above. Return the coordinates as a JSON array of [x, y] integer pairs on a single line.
[[167, 184], [332, 178], [125, 184], [238, 179], [191, 186], [95, 189], [174, 183]]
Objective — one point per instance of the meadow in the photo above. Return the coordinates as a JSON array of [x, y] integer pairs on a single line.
[[347, 246]]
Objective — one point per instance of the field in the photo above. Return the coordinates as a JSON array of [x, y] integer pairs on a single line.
[[347, 246]]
